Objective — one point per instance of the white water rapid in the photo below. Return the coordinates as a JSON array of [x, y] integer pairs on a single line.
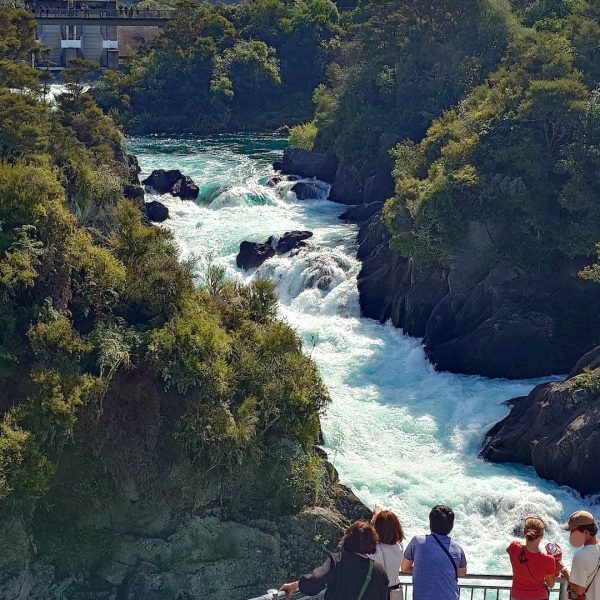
[[400, 434]]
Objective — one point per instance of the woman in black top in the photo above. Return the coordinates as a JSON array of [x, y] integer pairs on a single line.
[[349, 573]]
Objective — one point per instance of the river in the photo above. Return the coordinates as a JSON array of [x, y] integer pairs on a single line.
[[400, 434]]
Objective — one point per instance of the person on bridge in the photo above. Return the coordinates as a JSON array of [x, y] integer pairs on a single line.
[[435, 561], [350, 574], [533, 569]]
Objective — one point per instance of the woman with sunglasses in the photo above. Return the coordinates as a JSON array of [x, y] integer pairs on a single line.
[[533, 569]]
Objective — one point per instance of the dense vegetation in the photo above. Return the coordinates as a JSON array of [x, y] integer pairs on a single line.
[[401, 63], [114, 366], [520, 153], [215, 68]]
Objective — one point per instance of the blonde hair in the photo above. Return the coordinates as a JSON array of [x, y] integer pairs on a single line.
[[533, 529]]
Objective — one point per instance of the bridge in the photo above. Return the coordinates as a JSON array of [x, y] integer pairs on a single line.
[[106, 17], [471, 587], [123, 17]]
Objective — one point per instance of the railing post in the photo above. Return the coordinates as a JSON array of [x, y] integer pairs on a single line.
[[564, 590]]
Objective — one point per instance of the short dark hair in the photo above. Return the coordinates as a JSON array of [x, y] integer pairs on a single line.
[[388, 527], [441, 519], [593, 529], [360, 537]]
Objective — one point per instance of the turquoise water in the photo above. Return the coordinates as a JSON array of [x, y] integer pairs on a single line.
[[400, 434]]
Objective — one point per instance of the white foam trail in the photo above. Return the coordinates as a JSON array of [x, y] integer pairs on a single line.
[[400, 434]]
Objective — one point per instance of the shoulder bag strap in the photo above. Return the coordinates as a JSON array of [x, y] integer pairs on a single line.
[[447, 554], [594, 577], [367, 581], [525, 561]]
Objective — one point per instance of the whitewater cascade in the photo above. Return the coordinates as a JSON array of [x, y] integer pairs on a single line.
[[400, 434]]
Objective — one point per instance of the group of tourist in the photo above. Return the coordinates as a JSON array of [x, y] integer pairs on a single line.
[[373, 556]]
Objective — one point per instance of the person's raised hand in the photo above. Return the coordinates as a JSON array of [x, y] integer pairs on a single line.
[[289, 588]]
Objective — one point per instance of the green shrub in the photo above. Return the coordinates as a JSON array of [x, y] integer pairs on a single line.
[[303, 136]]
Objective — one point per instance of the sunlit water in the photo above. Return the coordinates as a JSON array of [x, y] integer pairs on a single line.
[[400, 434]]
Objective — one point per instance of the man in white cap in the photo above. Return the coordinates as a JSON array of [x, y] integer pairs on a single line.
[[584, 577]]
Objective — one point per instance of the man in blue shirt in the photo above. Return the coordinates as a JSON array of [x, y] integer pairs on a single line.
[[435, 561]]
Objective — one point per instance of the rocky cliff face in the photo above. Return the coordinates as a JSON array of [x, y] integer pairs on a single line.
[[556, 429], [141, 522], [479, 317]]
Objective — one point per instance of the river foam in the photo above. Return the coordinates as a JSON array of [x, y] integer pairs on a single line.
[[401, 435]]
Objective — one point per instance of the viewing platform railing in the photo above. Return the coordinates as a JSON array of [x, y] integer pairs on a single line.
[[471, 587]]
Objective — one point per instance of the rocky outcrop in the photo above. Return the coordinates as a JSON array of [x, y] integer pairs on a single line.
[[361, 213], [494, 320], [185, 188], [156, 211], [306, 191], [253, 254], [196, 556], [290, 241], [157, 526], [173, 182], [297, 161], [556, 429], [283, 131], [349, 184]]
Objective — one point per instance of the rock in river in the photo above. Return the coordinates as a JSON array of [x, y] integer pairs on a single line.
[[156, 211], [556, 429], [173, 181], [254, 254]]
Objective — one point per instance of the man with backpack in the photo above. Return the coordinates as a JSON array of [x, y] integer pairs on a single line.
[[435, 561]]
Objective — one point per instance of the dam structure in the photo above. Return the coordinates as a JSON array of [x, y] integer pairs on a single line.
[[101, 30]]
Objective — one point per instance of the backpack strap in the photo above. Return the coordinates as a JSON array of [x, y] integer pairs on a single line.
[[447, 554], [367, 581]]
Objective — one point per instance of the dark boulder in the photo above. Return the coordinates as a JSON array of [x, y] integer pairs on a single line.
[[162, 181], [347, 186], [297, 161], [253, 254], [378, 187], [361, 213], [173, 181], [282, 131], [274, 181], [291, 240], [278, 165], [156, 211], [555, 429], [306, 191], [185, 188]]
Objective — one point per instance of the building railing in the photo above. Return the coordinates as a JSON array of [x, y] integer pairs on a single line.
[[103, 13], [471, 587]]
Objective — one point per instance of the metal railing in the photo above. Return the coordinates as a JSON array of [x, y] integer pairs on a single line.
[[471, 587], [102, 13]]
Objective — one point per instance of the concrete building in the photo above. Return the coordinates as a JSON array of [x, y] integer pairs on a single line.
[[69, 38]]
